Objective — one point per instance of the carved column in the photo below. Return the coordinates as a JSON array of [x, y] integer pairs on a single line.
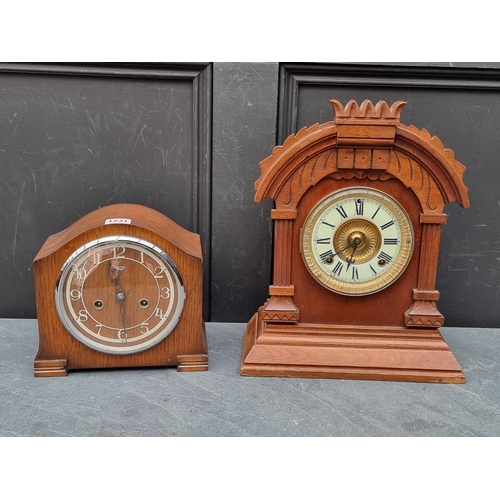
[[280, 306], [424, 312]]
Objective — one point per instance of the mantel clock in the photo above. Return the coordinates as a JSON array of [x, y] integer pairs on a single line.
[[120, 287], [358, 208]]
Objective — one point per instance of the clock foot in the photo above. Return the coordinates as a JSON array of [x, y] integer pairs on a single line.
[[424, 312], [192, 363], [348, 352], [51, 368], [281, 309]]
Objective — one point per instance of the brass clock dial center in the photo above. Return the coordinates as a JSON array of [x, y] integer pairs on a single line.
[[364, 234]]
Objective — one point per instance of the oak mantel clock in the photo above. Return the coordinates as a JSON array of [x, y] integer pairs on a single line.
[[358, 208], [121, 287]]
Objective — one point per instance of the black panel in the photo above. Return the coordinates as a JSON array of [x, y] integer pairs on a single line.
[[245, 110], [76, 137], [460, 106], [73, 139]]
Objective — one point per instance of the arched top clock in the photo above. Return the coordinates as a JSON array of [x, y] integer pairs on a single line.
[[120, 287], [358, 208]]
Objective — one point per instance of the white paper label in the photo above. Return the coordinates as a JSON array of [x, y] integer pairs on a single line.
[[118, 221]]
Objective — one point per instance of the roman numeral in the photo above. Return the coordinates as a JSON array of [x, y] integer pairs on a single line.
[[355, 275], [376, 212], [328, 224], [390, 241], [387, 224], [359, 207], [341, 211], [338, 268], [373, 270], [384, 256], [323, 241], [326, 256]]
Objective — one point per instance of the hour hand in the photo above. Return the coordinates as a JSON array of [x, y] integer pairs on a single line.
[[114, 272], [343, 249], [355, 243]]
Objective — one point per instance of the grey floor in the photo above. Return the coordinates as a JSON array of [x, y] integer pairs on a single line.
[[163, 402]]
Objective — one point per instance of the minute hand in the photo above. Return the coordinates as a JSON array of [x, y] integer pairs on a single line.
[[351, 245], [114, 274], [355, 243]]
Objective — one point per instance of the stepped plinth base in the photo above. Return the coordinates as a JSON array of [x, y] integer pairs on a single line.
[[347, 352]]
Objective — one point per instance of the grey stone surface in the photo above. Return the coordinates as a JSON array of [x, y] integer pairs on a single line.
[[163, 402]]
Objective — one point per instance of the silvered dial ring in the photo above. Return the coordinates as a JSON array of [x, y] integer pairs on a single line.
[[119, 294]]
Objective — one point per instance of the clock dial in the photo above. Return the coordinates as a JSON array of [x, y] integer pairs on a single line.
[[357, 241], [119, 294]]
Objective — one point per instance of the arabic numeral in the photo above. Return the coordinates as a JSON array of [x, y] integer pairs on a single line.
[[97, 257], [118, 252], [81, 273], [75, 294], [165, 292], [158, 273], [82, 316], [160, 314]]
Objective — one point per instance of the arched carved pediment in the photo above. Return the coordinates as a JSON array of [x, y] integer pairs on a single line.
[[439, 162], [363, 141], [287, 160]]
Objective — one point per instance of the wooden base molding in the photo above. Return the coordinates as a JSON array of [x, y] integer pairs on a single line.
[[51, 368], [192, 363], [350, 352], [59, 367]]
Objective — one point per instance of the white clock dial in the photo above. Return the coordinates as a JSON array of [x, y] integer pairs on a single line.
[[357, 241]]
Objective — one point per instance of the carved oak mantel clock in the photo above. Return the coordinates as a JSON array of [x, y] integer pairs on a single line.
[[357, 220], [120, 287]]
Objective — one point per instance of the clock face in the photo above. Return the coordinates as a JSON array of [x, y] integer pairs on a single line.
[[357, 241], [119, 295]]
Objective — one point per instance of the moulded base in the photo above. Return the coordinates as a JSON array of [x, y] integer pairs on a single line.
[[347, 352]]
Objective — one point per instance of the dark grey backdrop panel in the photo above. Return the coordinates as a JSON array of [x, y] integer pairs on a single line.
[[460, 106], [245, 111], [75, 138]]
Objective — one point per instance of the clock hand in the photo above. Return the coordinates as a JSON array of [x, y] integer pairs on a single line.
[[114, 274], [329, 257], [355, 243], [343, 249]]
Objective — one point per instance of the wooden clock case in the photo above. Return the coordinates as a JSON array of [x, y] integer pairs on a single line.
[[304, 329], [185, 347]]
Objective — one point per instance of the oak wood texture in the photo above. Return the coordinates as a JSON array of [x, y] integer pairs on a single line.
[[185, 347], [305, 330]]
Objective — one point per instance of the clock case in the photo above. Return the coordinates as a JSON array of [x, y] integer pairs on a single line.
[[185, 347], [304, 329]]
